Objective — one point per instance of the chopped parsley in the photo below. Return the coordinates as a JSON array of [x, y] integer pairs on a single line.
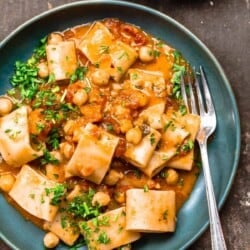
[[79, 244], [26, 79], [188, 146], [134, 76], [57, 193], [169, 124], [52, 115], [54, 138], [124, 54], [163, 174], [103, 238], [51, 78], [44, 98], [12, 134], [119, 69], [40, 51], [104, 49], [152, 139], [137, 173], [87, 89], [84, 226], [178, 70], [145, 188], [82, 207], [156, 53], [40, 127], [183, 109], [48, 158], [164, 157], [103, 221], [110, 127], [79, 74]]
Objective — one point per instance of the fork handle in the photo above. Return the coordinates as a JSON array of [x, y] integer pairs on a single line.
[[217, 237]]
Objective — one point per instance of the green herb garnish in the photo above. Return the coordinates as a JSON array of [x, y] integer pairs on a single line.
[[57, 193], [79, 74], [103, 238], [48, 158]]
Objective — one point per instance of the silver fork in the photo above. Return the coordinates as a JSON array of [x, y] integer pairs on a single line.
[[207, 127]]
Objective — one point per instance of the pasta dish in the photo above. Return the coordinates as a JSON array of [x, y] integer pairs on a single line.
[[97, 146]]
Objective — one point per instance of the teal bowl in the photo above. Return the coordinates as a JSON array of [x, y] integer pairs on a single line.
[[223, 150]]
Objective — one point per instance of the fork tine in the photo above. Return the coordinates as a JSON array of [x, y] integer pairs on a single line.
[[199, 96], [183, 92], [208, 98], [192, 98]]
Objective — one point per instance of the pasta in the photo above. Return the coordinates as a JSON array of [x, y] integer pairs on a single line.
[[97, 144], [15, 145], [152, 211]]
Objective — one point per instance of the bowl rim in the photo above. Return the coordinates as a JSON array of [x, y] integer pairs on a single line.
[[187, 32]]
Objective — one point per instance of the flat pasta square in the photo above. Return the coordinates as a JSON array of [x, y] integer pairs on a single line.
[[62, 61], [150, 82], [191, 123], [152, 115], [108, 231], [96, 42], [29, 192], [15, 146], [150, 211], [63, 229], [93, 155], [122, 57], [139, 155]]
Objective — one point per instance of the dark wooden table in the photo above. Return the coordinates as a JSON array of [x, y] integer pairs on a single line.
[[224, 26]]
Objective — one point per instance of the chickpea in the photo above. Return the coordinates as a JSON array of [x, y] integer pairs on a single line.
[[134, 135], [67, 149], [80, 97], [125, 125], [50, 240], [146, 54], [6, 182], [172, 177], [143, 100], [112, 177], [55, 38], [6, 105], [120, 197], [101, 198], [43, 70], [100, 77], [69, 127]]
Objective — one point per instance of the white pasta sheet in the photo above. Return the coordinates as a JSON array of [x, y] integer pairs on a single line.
[[111, 226], [15, 146], [29, 192], [150, 210]]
